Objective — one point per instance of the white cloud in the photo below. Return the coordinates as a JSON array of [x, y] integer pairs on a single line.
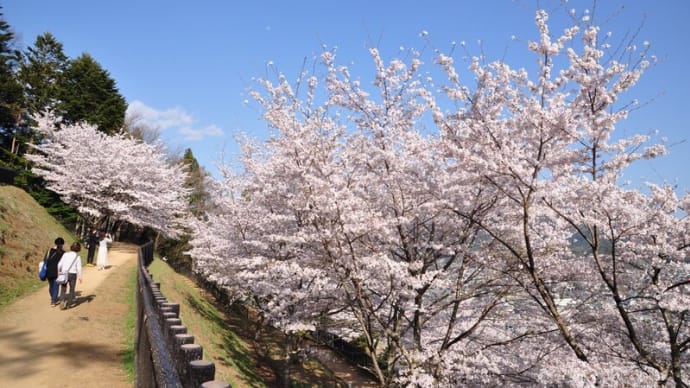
[[190, 133], [174, 119]]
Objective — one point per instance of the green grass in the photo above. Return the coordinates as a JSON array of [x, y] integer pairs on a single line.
[[18, 288], [129, 325], [243, 357], [230, 353]]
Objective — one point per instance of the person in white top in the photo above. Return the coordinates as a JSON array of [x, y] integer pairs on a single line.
[[102, 258], [70, 263]]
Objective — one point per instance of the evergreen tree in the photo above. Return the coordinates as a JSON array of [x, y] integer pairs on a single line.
[[91, 95], [43, 73], [41, 76], [196, 183], [10, 89]]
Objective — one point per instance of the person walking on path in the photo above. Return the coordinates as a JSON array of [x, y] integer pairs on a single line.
[[92, 242], [45, 348], [102, 259], [70, 264], [53, 257]]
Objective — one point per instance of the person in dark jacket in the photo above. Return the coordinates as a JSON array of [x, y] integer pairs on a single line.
[[53, 257], [91, 244]]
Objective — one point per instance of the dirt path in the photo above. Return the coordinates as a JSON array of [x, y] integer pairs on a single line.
[[43, 346]]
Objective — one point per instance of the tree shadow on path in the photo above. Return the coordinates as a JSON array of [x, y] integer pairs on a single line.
[[77, 354]]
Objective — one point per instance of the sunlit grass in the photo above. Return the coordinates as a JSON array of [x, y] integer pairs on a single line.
[[243, 357], [129, 325], [208, 327]]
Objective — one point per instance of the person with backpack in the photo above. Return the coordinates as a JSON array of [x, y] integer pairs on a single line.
[[52, 258], [70, 265]]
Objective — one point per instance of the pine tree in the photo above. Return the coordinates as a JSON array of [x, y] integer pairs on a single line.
[[91, 95], [196, 182], [10, 89], [40, 75], [43, 74], [198, 197]]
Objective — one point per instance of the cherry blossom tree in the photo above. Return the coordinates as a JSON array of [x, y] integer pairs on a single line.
[[479, 235], [111, 177], [547, 147], [329, 232]]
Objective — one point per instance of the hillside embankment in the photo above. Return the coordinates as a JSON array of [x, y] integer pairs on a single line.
[[26, 232]]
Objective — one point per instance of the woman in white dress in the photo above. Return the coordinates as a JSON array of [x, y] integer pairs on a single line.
[[102, 258]]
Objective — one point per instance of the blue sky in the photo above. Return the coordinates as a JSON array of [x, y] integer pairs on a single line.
[[187, 65]]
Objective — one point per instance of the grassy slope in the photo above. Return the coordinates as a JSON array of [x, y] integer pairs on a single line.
[[242, 358], [128, 327], [26, 232]]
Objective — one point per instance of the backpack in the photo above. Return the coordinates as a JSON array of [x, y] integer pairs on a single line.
[[42, 269]]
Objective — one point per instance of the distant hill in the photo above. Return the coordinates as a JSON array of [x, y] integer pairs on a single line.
[[26, 232]]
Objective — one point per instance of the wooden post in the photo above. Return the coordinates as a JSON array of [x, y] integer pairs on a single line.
[[175, 307], [168, 324], [183, 339], [201, 371], [187, 354], [169, 314], [175, 330]]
